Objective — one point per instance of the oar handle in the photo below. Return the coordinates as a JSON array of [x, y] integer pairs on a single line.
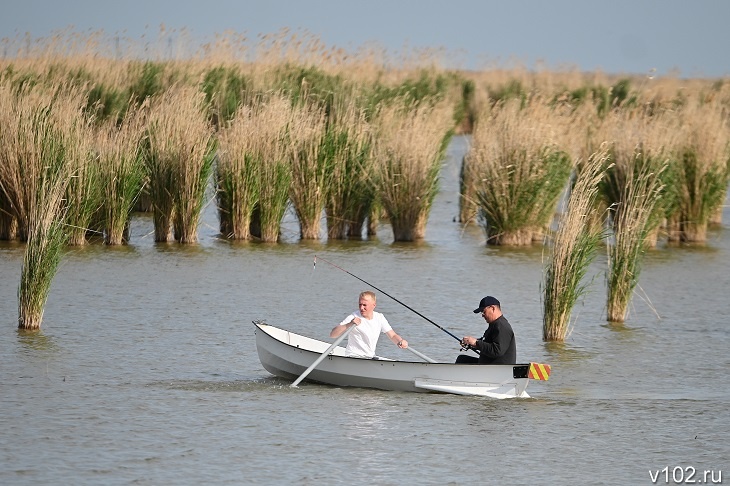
[[322, 356], [421, 355]]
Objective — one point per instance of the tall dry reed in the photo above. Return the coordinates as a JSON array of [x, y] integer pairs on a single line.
[[83, 192], [179, 161], [310, 179], [121, 173], [634, 216], [409, 147], [572, 250], [275, 173], [253, 173], [42, 139], [637, 138], [701, 169], [237, 174], [520, 167], [47, 235], [24, 112], [347, 154]]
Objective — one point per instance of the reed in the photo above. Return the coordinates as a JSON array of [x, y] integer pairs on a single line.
[[310, 178], [25, 116], [408, 149], [634, 216], [8, 221], [43, 142], [701, 170], [46, 240], [237, 173], [468, 185], [347, 154], [224, 89], [638, 138], [573, 249], [179, 161], [17, 153], [121, 174], [8, 224], [274, 170], [84, 189], [253, 174], [160, 177], [521, 170]]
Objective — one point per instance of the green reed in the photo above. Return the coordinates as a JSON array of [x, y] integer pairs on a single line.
[[83, 192], [701, 170], [346, 155], [520, 169], [408, 149], [47, 139], [572, 250], [121, 174], [634, 216], [254, 175], [310, 181], [237, 175], [46, 240], [224, 89], [179, 161], [274, 170], [8, 224]]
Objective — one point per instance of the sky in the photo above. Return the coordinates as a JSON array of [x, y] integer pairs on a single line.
[[688, 38]]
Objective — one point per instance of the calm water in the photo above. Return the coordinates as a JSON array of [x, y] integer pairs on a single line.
[[146, 370]]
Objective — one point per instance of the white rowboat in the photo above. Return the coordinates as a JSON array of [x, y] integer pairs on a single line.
[[287, 355]]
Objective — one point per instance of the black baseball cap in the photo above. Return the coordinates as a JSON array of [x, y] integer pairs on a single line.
[[486, 302]]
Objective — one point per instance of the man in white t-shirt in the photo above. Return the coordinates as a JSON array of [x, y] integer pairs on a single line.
[[361, 342]]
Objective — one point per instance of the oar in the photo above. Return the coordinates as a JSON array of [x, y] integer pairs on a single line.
[[401, 303], [322, 356], [421, 355]]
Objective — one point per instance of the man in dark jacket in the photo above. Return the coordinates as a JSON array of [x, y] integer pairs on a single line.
[[497, 346]]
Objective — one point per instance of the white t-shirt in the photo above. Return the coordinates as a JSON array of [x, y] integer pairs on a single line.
[[362, 340]]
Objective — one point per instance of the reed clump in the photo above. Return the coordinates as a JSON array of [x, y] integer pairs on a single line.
[[237, 173], [30, 117], [519, 167], [253, 174], [634, 215], [274, 171], [637, 138], [179, 161], [83, 192], [700, 169], [121, 173], [347, 155], [36, 163], [572, 249], [310, 178], [409, 147]]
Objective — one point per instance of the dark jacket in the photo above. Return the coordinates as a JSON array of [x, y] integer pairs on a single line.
[[497, 346]]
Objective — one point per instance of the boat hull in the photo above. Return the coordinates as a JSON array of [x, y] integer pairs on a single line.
[[288, 355]]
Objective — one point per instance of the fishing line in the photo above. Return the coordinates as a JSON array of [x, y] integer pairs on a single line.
[[388, 295]]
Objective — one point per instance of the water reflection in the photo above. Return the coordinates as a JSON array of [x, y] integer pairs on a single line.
[[566, 353], [36, 340]]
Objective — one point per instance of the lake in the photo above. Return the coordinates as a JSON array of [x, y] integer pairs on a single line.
[[145, 370]]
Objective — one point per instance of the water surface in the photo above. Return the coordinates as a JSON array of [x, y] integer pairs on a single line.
[[145, 370]]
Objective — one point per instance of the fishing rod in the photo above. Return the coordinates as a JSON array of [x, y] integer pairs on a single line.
[[387, 294]]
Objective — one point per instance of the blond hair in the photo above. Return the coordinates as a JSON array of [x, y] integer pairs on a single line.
[[368, 294]]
